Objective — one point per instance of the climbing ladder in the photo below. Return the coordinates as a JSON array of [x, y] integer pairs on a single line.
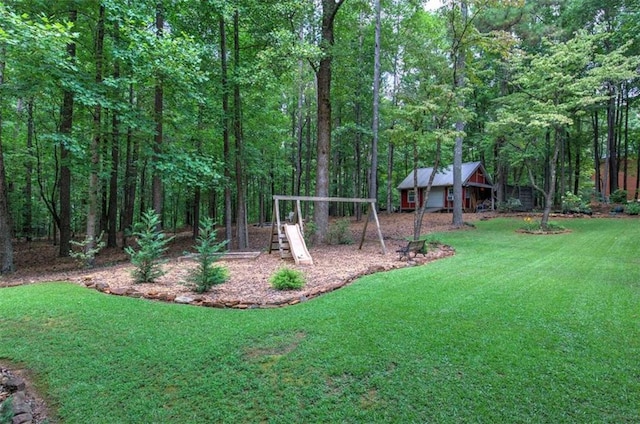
[[278, 236]]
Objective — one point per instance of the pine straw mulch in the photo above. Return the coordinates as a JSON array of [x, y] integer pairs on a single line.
[[334, 265]]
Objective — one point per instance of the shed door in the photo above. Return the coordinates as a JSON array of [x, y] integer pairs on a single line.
[[436, 198]]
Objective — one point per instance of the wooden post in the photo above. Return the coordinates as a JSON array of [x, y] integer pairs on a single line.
[[375, 216], [299, 216]]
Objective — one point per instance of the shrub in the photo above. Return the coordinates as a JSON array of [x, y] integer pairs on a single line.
[[152, 244], [534, 226], [633, 208], [84, 255], [554, 227], [339, 233], [310, 229], [572, 203], [530, 224], [206, 274], [287, 279], [510, 205], [618, 196]]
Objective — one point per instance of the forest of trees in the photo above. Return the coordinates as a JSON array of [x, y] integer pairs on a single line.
[[195, 108]]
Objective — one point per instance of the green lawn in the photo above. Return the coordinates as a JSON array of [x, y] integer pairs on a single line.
[[513, 328]]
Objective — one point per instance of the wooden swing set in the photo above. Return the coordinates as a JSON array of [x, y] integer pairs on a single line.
[[279, 236]]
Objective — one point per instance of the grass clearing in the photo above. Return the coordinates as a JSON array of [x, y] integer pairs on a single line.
[[513, 328]]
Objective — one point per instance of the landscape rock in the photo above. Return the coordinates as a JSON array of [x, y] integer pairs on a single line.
[[13, 383], [167, 297], [22, 412], [12, 389], [183, 299], [102, 287], [119, 291]]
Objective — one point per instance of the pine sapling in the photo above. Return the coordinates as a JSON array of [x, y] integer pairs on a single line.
[[207, 274], [152, 244]]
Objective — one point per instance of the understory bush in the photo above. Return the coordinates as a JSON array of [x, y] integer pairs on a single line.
[[572, 203], [510, 205], [152, 244], [618, 196], [310, 229], [633, 208], [287, 279], [84, 255], [340, 233], [207, 274]]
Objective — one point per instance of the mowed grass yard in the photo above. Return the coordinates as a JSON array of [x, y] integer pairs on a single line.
[[514, 328]]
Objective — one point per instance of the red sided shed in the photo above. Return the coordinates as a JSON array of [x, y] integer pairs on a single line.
[[477, 188]]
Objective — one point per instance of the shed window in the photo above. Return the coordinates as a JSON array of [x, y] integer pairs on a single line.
[[411, 196]]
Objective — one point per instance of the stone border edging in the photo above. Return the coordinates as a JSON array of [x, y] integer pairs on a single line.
[[199, 300]]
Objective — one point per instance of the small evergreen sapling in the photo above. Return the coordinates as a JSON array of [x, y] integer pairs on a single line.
[[206, 274], [152, 244], [85, 254]]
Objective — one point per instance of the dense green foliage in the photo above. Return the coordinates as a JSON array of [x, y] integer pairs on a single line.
[[86, 254], [152, 244], [340, 232], [206, 274], [210, 107], [619, 196], [287, 279], [633, 208], [513, 328]]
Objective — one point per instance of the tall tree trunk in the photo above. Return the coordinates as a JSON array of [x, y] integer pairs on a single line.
[[357, 180], [564, 157], [307, 167], [421, 209], [390, 157], [637, 192], [549, 194], [299, 133], [596, 153], [27, 225], [115, 159], [625, 131], [66, 127], [358, 158], [323, 80], [612, 153], [6, 246], [156, 180], [390, 154], [112, 211], [225, 133], [458, 81], [197, 193], [499, 170], [94, 149], [373, 180], [576, 173], [241, 210], [130, 178], [576, 164]]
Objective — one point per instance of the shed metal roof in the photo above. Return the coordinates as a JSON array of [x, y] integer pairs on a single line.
[[444, 177]]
